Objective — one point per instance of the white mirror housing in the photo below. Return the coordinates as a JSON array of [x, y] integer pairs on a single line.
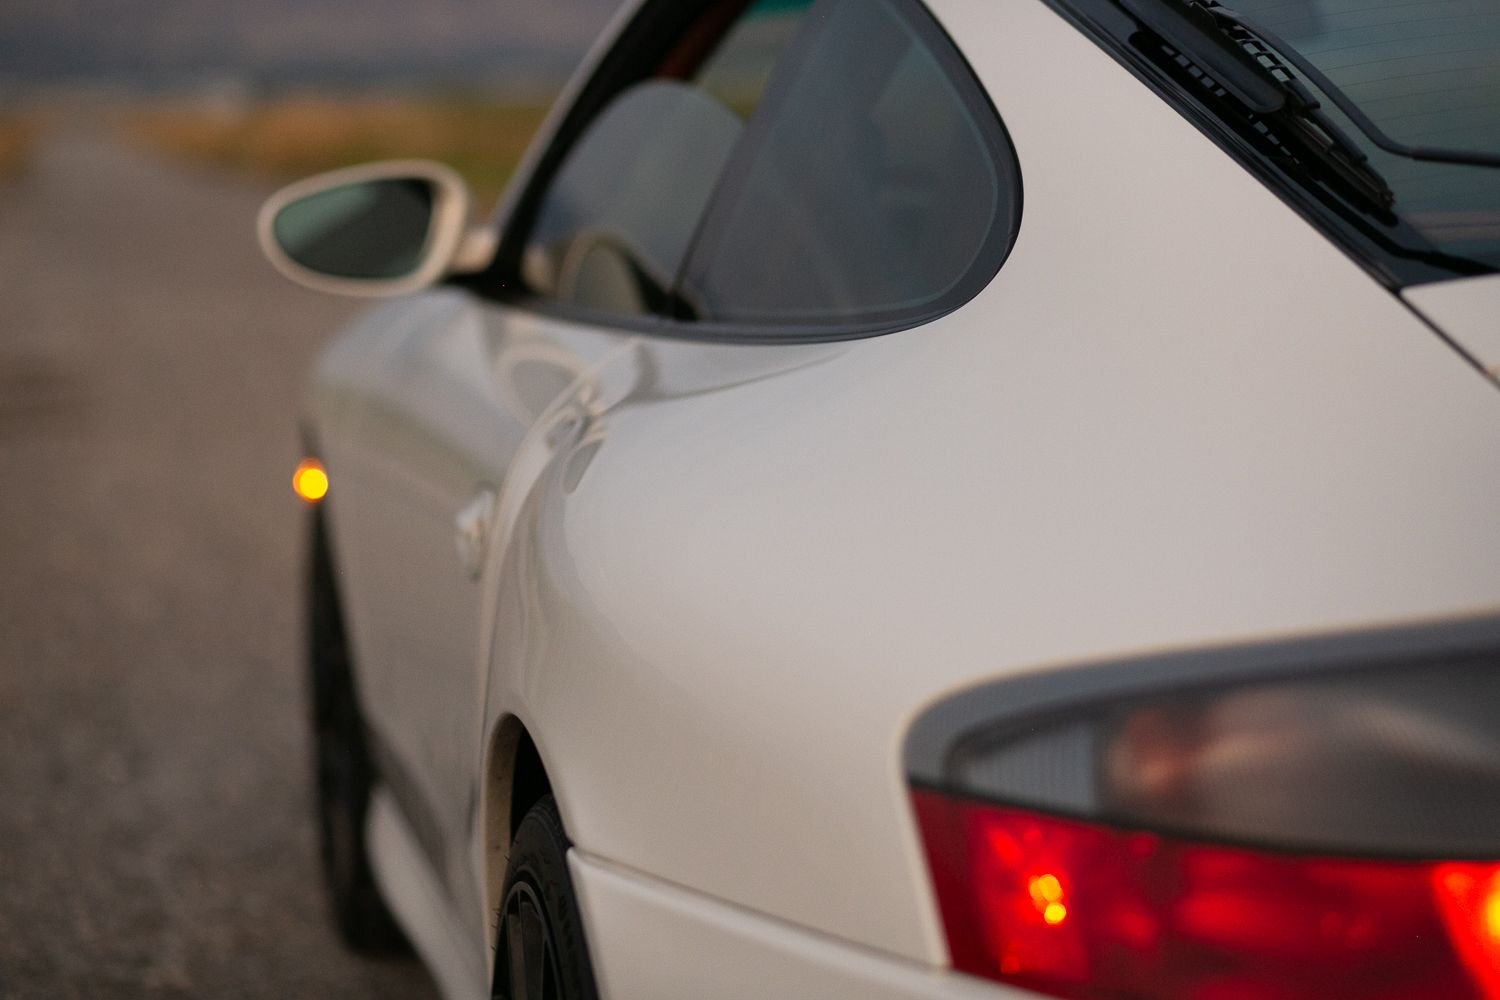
[[378, 229]]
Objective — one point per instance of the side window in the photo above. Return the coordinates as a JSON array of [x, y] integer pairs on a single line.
[[615, 222], [737, 72], [879, 185]]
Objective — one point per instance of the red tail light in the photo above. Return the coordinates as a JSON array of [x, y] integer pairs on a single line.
[[1082, 910], [1311, 820]]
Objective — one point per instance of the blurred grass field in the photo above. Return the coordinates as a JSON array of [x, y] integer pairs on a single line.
[[283, 139]]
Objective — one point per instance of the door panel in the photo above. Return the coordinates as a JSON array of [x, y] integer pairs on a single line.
[[470, 411], [438, 425]]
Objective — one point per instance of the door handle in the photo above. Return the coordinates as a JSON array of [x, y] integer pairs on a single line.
[[471, 528]]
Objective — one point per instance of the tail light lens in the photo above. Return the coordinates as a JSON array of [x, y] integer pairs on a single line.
[[1081, 910], [1292, 838]]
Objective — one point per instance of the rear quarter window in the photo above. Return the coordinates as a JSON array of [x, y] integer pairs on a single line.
[[876, 185]]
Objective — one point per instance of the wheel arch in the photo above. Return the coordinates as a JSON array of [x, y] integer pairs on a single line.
[[515, 780]]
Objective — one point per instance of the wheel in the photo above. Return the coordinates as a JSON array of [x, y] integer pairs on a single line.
[[540, 952], [343, 775]]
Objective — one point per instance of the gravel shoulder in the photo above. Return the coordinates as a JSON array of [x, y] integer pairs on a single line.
[[155, 832]]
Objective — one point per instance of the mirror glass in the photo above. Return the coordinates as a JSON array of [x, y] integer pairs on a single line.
[[375, 229]]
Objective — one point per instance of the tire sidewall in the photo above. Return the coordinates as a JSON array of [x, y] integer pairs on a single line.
[[538, 857]]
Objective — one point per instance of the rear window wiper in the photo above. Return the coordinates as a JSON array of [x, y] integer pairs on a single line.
[[1255, 66], [1362, 121], [1249, 71]]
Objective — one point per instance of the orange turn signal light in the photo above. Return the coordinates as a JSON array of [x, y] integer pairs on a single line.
[[310, 480]]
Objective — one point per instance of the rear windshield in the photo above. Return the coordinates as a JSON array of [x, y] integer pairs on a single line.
[[1428, 73]]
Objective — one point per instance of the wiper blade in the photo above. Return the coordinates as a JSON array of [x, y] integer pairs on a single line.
[[1190, 27], [1360, 217], [1248, 69], [1351, 110]]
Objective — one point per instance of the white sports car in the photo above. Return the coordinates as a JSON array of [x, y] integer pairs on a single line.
[[782, 560]]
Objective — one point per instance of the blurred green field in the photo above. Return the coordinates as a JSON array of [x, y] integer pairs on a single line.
[[292, 137]]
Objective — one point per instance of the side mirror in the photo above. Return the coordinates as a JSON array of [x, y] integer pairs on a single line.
[[378, 229]]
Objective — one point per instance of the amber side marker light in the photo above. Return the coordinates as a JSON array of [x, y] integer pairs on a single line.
[[310, 480]]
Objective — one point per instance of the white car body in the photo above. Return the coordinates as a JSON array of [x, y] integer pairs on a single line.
[[717, 583]]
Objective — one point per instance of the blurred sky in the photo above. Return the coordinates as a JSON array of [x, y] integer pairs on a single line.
[[257, 45]]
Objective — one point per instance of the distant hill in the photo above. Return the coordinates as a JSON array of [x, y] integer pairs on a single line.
[[269, 43]]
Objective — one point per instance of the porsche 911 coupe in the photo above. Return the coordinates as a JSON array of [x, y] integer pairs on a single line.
[[953, 499]]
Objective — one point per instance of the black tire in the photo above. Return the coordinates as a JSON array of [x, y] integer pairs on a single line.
[[342, 770], [540, 951]]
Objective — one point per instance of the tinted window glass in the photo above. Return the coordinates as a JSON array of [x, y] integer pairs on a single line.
[[618, 217], [1428, 74], [737, 72], [615, 223], [875, 184]]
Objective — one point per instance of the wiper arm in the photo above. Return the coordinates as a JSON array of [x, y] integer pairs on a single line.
[[1190, 28], [1206, 14], [1362, 121], [1248, 69]]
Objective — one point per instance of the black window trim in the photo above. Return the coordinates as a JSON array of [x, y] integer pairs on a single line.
[[630, 60]]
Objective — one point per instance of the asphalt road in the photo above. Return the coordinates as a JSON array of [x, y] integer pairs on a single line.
[[155, 832]]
